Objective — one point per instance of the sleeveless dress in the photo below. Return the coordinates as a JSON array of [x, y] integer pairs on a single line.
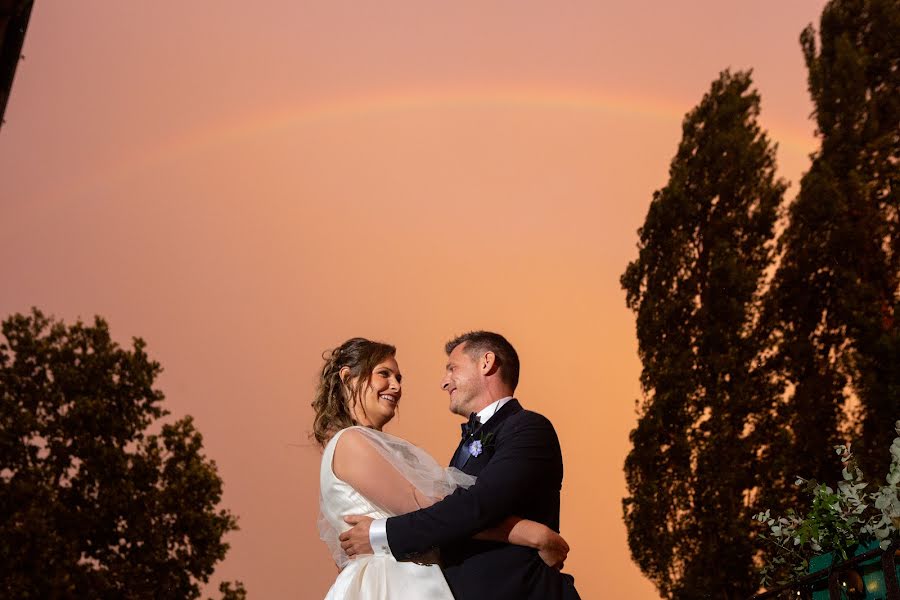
[[370, 577]]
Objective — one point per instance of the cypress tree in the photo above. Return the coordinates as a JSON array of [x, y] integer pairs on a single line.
[[706, 417], [836, 296]]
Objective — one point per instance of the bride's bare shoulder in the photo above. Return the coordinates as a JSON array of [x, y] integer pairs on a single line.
[[352, 449]]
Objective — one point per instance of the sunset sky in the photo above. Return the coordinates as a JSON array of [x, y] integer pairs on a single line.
[[245, 185]]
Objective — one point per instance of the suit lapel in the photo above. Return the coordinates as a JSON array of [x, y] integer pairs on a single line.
[[493, 424]]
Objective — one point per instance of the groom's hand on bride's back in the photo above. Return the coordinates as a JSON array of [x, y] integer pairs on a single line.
[[355, 541]]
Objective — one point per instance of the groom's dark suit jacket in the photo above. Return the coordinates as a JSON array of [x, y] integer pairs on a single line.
[[519, 473]]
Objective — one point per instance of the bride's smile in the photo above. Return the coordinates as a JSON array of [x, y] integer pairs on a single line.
[[389, 398]]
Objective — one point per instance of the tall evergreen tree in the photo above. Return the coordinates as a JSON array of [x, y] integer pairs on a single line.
[[695, 287], [836, 296]]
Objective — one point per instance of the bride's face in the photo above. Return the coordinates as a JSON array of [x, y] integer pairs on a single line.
[[380, 398]]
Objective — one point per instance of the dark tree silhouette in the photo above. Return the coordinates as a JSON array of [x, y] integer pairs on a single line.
[[93, 504], [835, 300], [705, 419]]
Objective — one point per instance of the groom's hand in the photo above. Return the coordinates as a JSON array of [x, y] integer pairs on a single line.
[[355, 541]]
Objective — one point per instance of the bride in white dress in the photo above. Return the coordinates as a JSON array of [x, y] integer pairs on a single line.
[[368, 472]]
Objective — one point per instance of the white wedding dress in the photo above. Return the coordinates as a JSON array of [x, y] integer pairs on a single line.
[[382, 577]]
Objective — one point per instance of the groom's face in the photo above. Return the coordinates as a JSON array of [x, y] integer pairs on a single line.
[[462, 381]]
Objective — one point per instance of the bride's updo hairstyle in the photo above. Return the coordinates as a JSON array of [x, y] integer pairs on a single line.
[[335, 397]]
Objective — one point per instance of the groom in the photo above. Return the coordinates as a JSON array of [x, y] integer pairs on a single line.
[[516, 457]]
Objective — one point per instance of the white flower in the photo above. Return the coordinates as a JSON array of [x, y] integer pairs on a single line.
[[893, 477]]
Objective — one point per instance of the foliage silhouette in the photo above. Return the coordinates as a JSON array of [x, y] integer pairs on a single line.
[[700, 445], [94, 505]]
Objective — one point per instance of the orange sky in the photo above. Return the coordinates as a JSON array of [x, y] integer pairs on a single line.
[[247, 185]]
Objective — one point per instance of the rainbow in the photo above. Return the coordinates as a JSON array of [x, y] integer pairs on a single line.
[[372, 105]]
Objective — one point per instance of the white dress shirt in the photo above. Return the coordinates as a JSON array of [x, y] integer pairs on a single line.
[[378, 530]]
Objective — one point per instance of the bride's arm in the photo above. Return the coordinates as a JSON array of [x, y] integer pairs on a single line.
[[358, 463], [551, 547]]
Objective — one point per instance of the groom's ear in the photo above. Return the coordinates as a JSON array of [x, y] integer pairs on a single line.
[[488, 363]]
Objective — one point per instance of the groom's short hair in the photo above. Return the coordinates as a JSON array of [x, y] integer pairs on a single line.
[[479, 342]]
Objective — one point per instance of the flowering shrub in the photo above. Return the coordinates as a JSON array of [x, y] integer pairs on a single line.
[[838, 520]]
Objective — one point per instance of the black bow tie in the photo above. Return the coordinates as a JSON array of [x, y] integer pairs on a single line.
[[470, 426]]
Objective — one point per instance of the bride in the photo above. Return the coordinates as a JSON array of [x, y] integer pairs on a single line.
[[368, 472]]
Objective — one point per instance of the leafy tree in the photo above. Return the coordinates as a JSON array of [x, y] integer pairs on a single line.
[[705, 419], [93, 504], [232, 593], [835, 300]]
